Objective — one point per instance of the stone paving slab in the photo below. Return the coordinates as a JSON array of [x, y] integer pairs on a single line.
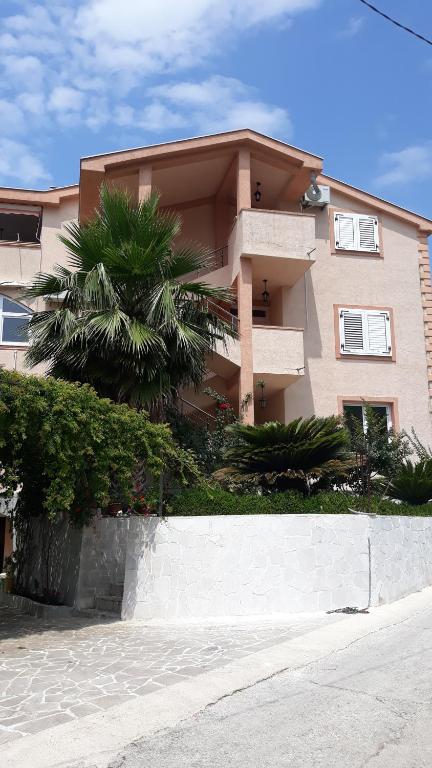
[[53, 672]]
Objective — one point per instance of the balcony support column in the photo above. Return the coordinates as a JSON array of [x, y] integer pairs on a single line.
[[144, 182], [244, 299], [243, 180]]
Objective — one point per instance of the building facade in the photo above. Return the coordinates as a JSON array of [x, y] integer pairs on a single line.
[[332, 297]]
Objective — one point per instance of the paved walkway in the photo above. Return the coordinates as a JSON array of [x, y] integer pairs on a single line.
[[52, 672]]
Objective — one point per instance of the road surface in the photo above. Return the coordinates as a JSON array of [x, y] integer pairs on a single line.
[[368, 704]]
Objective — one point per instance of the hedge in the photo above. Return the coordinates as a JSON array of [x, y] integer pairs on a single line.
[[215, 501]]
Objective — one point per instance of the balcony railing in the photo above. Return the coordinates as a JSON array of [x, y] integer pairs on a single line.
[[215, 260], [194, 414], [223, 314]]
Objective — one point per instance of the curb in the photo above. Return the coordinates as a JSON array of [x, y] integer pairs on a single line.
[[94, 740]]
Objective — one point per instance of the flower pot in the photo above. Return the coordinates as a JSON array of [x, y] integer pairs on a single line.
[[9, 584], [113, 509]]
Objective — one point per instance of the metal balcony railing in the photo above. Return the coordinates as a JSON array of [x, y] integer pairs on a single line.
[[224, 314], [216, 260], [194, 414]]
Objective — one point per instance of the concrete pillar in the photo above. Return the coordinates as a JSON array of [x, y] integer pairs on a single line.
[[244, 303], [243, 180], [89, 193], [144, 182]]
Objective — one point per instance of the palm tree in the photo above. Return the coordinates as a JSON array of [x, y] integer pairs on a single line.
[[279, 456], [130, 323]]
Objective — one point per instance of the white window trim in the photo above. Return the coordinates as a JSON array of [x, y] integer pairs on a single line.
[[356, 222], [22, 314], [365, 351], [387, 406]]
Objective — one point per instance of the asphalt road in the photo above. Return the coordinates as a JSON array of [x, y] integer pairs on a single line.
[[369, 704]]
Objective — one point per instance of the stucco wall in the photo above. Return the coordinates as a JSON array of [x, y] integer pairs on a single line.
[[227, 566], [102, 559], [391, 281]]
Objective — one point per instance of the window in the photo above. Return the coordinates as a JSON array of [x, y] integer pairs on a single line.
[[14, 318], [358, 411], [356, 232], [19, 227], [365, 332]]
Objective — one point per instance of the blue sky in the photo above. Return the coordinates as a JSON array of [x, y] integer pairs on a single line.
[[81, 77]]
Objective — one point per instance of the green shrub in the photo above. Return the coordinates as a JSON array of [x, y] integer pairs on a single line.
[[216, 501], [413, 482], [279, 457]]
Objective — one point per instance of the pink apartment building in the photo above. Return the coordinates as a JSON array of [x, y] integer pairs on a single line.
[[332, 285]]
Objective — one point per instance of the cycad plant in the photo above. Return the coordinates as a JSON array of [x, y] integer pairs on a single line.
[[279, 456], [412, 483], [130, 323]]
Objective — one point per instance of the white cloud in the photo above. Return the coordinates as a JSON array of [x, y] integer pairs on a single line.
[[12, 118], [411, 164], [355, 24], [66, 99], [94, 63], [19, 165], [221, 104]]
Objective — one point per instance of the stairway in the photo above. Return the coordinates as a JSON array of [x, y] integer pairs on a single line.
[[111, 603]]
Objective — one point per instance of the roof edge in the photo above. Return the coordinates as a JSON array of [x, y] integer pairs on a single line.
[[248, 133], [378, 202]]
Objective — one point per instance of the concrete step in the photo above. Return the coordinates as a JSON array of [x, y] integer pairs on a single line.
[[116, 589], [111, 603]]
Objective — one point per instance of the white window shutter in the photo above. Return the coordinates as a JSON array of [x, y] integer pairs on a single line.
[[368, 233], [356, 232], [378, 333], [345, 231], [351, 332]]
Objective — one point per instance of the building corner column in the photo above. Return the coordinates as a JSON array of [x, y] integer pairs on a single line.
[[426, 296], [243, 180], [244, 299], [144, 182]]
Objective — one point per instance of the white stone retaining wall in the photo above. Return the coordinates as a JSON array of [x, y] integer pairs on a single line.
[[230, 566], [102, 558]]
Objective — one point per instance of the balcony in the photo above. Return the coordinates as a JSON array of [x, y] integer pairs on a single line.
[[19, 262], [278, 355], [278, 242]]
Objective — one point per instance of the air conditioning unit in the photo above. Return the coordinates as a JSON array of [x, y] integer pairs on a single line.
[[312, 200]]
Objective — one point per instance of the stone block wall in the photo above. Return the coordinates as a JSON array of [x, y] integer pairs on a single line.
[[262, 565], [102, 558]]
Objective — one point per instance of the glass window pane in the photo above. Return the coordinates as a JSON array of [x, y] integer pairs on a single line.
[[353, 415], [13, 306], [15, 329], [381, 411]]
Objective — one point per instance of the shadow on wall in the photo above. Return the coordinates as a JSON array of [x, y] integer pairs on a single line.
[[52, 563], [139, 575], [102, 558], [299, 399]]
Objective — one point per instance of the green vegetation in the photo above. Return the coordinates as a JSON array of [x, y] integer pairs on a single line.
[[130, 323], [412, 483], [277, 456], [64, 452], [216, 501]]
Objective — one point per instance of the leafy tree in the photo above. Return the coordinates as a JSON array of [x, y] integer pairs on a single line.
[[412, 483], [130, 323], [378, 452], [63, 449], [279, 456]]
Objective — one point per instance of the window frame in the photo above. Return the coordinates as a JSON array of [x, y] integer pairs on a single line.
[[27, 312], [363, 355], [391, 403], [333, 212], [387, 406]]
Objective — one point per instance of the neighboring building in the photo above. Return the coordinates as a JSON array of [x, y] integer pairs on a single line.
[[334, 301]]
